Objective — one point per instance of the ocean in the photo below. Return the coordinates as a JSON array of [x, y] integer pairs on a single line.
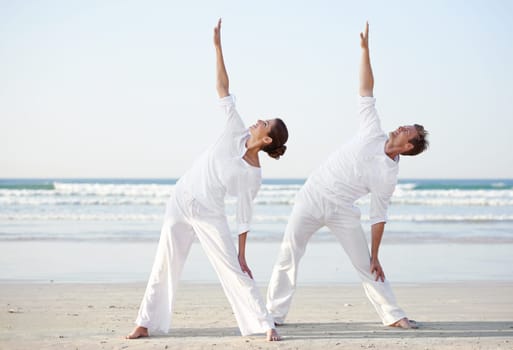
[[57, 219]]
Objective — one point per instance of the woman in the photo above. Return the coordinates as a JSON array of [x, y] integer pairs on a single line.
[[230, 166]]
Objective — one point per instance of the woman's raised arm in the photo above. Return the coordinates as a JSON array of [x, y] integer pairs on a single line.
[[223, 83]]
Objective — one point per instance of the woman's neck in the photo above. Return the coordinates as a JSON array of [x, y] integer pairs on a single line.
[[251, 157]]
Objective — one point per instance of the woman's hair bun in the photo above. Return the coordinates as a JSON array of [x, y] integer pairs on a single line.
[[277, 152], [279, 135]]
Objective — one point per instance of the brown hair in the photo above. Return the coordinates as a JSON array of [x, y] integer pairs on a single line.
[[279, 135], [419, 142]]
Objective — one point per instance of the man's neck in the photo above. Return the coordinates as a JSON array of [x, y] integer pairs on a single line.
[[392, 154]]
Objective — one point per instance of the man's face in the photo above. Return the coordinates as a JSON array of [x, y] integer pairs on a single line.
[[402, 135]]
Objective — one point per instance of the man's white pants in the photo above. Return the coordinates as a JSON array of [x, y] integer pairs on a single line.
[[309, 214], [184, 218]]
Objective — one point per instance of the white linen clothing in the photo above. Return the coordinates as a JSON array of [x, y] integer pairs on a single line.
[[197, 208], [327, 199], [311, 212], [359, 167], [221, 171]]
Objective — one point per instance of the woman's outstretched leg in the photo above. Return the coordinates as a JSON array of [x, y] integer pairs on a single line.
[[156, 307], [240, 289]]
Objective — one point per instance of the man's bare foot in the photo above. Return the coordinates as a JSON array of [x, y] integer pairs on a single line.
[[405, 323], [272, 335], [138, 332]]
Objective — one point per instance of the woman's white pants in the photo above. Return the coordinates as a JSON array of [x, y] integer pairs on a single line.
[[309, 214], [184, 219]]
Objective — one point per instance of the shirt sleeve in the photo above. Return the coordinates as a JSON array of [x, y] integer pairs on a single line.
[[244, 212], [369, 118], [379, 205], [234, 121]]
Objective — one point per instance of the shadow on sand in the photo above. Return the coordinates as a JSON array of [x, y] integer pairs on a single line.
[[354, 330]]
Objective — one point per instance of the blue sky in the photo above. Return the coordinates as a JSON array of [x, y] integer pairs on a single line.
[[127, 88]]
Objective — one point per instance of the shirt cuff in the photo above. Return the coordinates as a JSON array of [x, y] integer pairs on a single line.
[[374, 221], [241, 228], [227, 100], [367, 99]]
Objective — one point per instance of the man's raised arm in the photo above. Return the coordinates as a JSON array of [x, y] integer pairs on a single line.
[[366, 77]]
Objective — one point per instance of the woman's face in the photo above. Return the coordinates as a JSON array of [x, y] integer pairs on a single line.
[[261, 128]]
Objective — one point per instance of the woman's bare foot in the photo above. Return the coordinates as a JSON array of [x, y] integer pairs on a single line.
[[138, 332], [405, 323], [272, 335]]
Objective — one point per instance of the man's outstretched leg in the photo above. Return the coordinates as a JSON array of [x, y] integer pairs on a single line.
[[282, 286], [350, 234]]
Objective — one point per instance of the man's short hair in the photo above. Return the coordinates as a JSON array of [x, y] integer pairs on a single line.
[[419, 142]]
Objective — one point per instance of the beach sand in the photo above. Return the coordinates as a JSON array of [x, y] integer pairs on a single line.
[[468, 315]]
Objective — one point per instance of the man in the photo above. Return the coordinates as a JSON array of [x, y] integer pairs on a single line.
[[368, 163]]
